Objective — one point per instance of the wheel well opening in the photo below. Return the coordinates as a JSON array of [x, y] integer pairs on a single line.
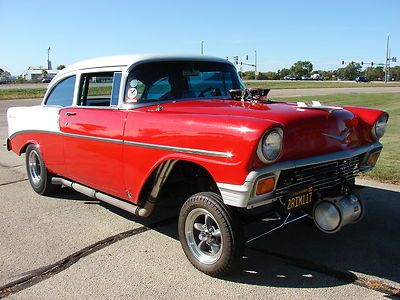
[[184, 180], [23, 149]]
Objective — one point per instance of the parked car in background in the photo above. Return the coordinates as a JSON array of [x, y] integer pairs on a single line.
[[3, 79], [317, 77], [138, 131], [362, 79], [292, 77]]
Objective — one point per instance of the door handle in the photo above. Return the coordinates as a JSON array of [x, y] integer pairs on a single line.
[[70, 114]]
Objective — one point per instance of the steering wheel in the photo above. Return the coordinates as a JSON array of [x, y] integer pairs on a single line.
[[210, 88]]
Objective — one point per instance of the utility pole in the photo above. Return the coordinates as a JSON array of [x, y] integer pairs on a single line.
[[202, 47], [48, 59], [387, 61]]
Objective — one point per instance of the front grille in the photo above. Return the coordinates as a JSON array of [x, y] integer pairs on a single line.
[[319, 176]]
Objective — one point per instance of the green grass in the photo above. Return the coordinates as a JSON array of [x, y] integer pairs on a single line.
[[388, 166], [39, 92], [22, 93], [315, 84]]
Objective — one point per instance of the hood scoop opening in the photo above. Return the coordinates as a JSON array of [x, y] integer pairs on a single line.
[[317, 105]]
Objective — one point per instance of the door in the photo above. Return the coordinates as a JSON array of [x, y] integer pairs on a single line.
[[93, 135]]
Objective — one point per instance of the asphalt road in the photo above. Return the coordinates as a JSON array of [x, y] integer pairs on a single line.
[[69, 246]]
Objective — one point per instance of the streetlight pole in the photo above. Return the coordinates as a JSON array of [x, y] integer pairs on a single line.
[[202, 47], [48, 58], [386, 62], [255, 64]]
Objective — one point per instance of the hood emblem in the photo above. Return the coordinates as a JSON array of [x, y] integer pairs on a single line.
[[343, 137]]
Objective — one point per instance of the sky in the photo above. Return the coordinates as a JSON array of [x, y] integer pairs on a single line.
[[282, 32]]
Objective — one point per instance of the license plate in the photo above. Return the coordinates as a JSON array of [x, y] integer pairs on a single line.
[[299, 198]]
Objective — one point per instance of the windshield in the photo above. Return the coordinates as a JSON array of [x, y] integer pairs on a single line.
[[173, 80]]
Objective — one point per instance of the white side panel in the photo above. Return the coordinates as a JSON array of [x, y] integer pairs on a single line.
[[44, 118]]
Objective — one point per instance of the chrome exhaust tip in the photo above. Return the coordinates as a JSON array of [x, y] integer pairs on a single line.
[[330, 215]]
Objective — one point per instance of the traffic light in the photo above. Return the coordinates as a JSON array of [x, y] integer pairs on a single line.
[[247, 57], [394, 59], [372, 63], [362, 63], [342, 62], [236, 60]]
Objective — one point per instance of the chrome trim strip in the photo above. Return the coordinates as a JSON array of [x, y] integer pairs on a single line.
[[95, 138], [181, 149], [137, 144], [32, 131]]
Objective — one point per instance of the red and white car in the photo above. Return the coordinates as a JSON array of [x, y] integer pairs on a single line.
[[125, 129]]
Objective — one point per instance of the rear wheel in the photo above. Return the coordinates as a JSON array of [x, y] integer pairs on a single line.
[[38, 175], [210, 235]]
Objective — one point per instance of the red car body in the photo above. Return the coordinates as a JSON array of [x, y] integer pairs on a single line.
[[119, 150]]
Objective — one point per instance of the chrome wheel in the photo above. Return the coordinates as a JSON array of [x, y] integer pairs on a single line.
[[210, 234], [34, 167], [203, 236]]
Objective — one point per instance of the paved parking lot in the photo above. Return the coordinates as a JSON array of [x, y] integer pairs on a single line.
[[69, 246]]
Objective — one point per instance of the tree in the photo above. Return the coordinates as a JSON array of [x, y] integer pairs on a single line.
[[282, 73], [374, 73], [395, 73], [60, 67], [350, 72], [302, 68], [248, 75]]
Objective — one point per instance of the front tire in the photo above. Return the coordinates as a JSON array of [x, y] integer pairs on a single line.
[[38, 175], [210, 235]]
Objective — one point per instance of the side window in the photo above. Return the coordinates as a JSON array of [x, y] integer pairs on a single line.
[[63, 93], [134, 91], [99, 89], [159, 89]]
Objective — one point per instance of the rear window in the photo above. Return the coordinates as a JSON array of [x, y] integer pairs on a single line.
[[160, 81], [63, 93]]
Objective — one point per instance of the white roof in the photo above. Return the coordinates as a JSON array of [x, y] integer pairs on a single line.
[[125, 61]]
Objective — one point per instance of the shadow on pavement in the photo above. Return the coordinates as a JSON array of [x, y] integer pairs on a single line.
[[369, 247]]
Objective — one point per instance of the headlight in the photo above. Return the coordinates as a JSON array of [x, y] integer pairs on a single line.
[[270, 146], [378, 130]]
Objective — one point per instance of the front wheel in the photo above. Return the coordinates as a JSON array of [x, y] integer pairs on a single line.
[[38, 175], [210, 235]]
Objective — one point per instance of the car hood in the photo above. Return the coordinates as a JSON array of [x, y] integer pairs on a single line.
[[307, 131]]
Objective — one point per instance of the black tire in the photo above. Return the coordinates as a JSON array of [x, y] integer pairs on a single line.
[[38, 175], [215, 247]]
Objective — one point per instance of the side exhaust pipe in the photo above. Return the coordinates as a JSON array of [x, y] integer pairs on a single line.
[[331, 214], [141, 211]]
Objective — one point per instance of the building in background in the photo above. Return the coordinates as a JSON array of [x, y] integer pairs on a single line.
[[36, 73]]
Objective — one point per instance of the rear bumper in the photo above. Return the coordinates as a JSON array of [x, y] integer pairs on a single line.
[[244, 196]]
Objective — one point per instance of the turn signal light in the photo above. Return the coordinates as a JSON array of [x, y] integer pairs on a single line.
[[372, 159], [265, 185]]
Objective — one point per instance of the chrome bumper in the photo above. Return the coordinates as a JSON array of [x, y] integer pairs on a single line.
[[244, 196]]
